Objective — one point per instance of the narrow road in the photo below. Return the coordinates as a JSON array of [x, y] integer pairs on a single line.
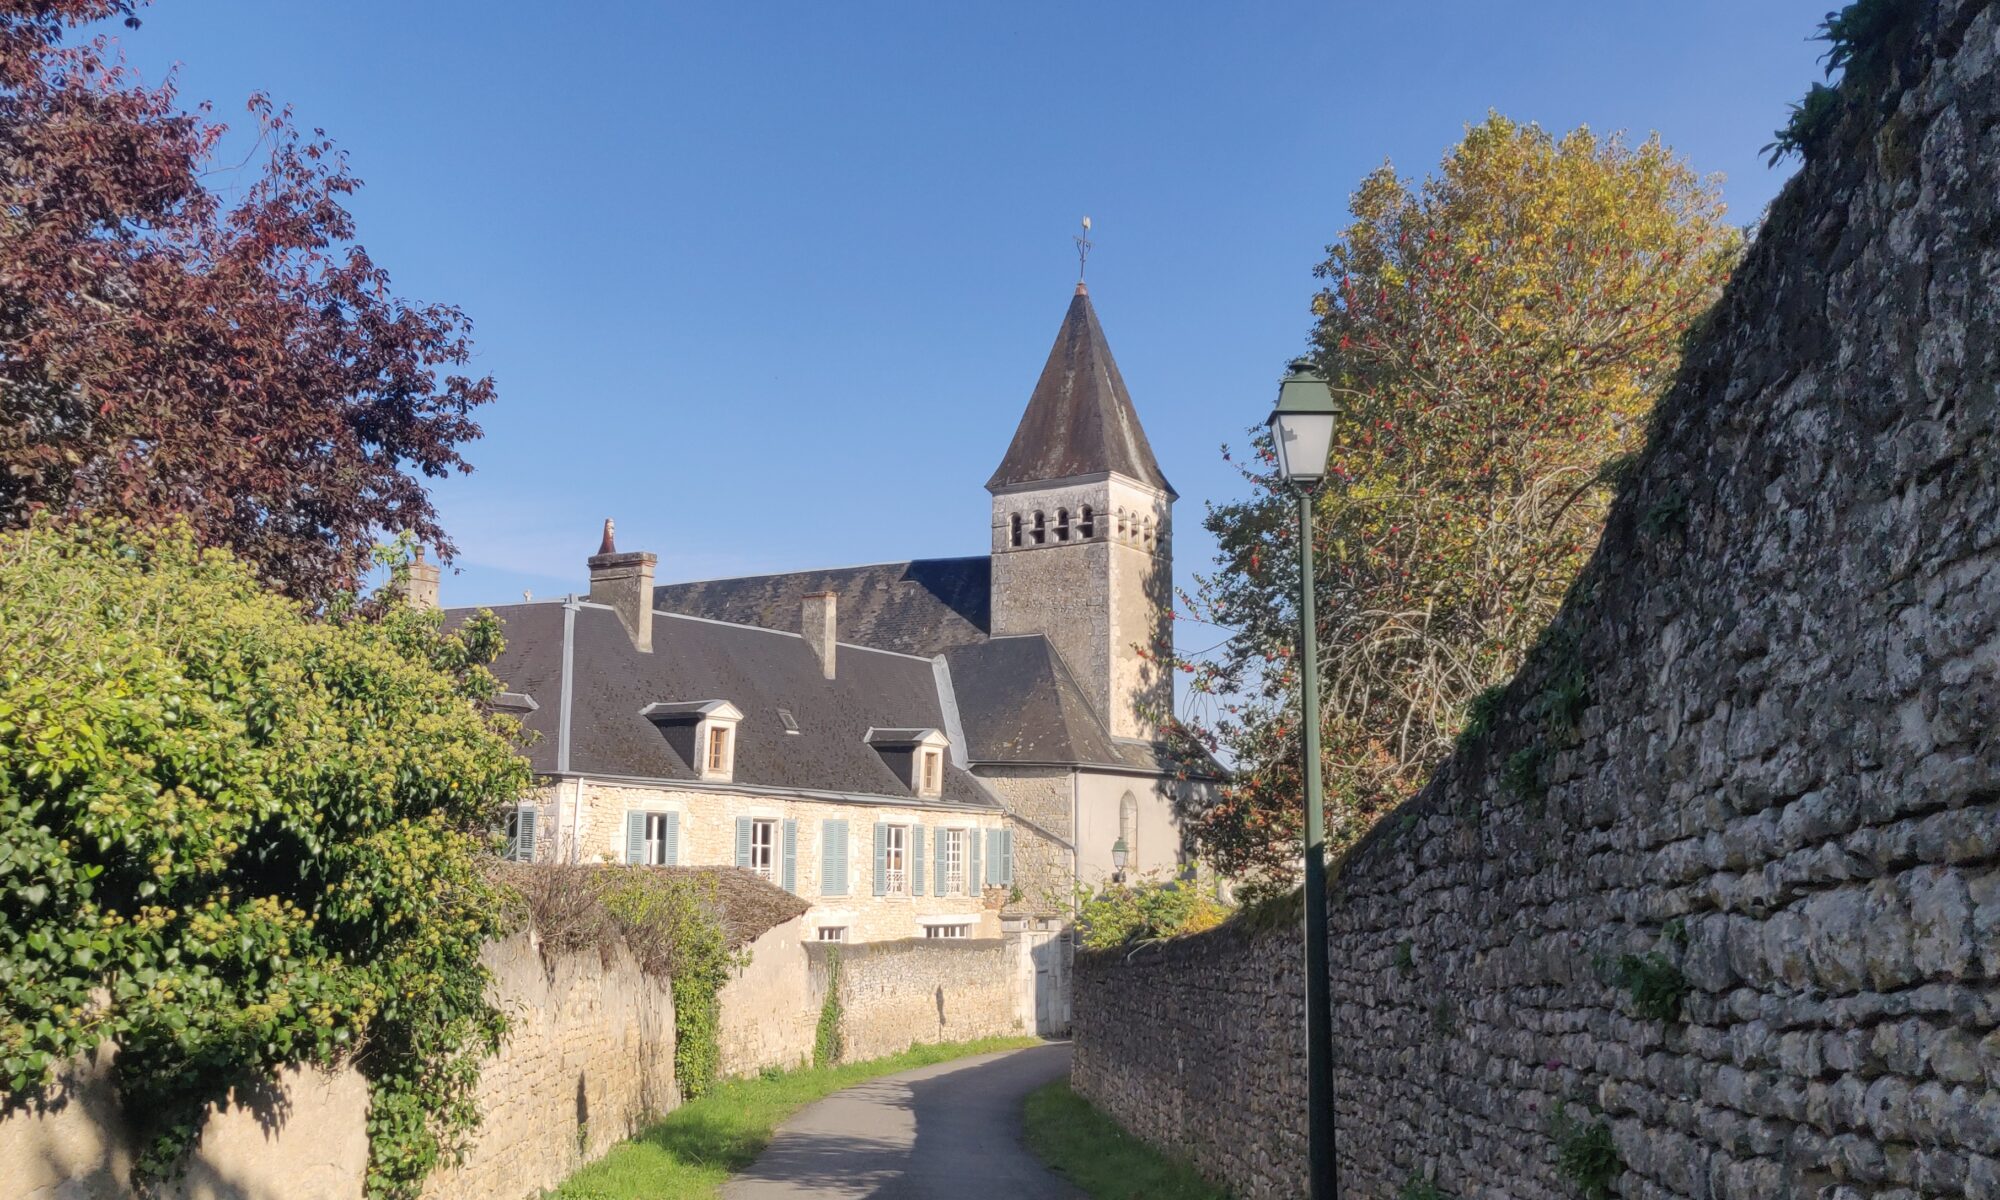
[[946, 1132]]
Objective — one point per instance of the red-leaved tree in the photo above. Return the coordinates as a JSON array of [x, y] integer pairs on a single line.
[[163, 353]]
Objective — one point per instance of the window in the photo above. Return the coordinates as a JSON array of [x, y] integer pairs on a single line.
[[833, 933], [933, 773], [790, 722], [718, 749], [1062, 524], [658, 840], [1041, 530], [1086, 524], [1014, 530], [521, 834], [896, 860], [948, 931], [954, 861], [763, 846]]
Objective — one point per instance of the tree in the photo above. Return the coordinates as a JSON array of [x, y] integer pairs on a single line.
[[236, 835], [1497, 336], [243, 366]]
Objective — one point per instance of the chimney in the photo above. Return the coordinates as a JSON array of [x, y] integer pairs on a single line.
[[419, 584], [819, 621], [625, 582]]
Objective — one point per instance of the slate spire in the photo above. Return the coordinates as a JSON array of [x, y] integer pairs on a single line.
[[1080, 420]]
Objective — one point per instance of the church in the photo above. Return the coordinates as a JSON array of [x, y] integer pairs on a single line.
[[939, 748]]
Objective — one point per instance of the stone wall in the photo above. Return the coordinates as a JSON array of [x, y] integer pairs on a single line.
[[770, 1009], [895, 995], [1784, 783], [589, 1060]]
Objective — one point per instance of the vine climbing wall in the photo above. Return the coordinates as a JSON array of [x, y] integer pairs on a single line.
[[1713, 910]]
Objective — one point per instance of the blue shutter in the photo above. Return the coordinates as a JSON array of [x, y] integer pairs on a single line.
[[916, 836], [937, 843], [635, 836], [833, 857], [992, 858], [791, 867], [743, 841], [1007, 857], [670, 838], [972, 879], [523, 847], [881, 859]]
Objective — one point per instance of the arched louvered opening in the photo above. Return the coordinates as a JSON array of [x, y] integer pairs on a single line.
[[1062, 524], [1086, 524], [1040, 533], [1014, 530]]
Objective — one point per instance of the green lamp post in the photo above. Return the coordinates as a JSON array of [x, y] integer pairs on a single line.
[[1302, 436]]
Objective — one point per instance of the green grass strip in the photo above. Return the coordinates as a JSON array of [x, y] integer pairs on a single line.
[[702, 1143], [1092, 1152]]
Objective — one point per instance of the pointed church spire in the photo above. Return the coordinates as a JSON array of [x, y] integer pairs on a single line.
[[1080, 420]]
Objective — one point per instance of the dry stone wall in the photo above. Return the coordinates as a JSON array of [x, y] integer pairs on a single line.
[[894, 995], [1780, 787], [590, 1058]]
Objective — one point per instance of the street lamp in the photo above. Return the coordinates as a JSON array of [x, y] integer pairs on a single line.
[[1118, 854], [1302, 436]]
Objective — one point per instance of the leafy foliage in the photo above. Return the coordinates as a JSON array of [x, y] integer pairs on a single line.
[[1655, 983], [827, 1046], [1855, 36], [1416, 1187], [233, 838], [1123, 913], [238, 362], [1586, 1154], [1498, 335]]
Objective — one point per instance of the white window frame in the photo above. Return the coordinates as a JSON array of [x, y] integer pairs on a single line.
[[896, 860], [832, 933], [948, 928], [933, 773], [956, 860], [767, 829], [656, 839]]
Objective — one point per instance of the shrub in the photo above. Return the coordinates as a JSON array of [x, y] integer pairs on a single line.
[[1585, 1154], [1656, 985], [1148, 910], [236, 835]]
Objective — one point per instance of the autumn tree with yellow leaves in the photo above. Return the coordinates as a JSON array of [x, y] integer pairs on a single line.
[[1497, 335]]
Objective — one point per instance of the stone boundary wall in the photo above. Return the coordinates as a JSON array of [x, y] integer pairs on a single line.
[[589, 1061], [770, 1010], [895, 995], [1784, 782]]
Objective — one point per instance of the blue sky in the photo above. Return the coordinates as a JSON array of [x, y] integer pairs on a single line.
[[770, 283]]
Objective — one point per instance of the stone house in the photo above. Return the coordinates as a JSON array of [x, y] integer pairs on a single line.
[[926, 748]]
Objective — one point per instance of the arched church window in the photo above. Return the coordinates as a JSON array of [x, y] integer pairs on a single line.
[[1121, 525], [1014, 530], [1040, 532], [1086, 524], [1062, 524], [1128, 827]]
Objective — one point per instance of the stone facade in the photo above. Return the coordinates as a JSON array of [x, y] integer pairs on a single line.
[[1096, 598], [1782, 790], [588, 1062], [707, 830]]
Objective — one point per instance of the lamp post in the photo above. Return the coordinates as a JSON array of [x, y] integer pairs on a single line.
[[1118, 855], [1302, 435]]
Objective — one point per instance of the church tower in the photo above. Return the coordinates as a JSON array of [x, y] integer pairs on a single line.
[[1083, 531]]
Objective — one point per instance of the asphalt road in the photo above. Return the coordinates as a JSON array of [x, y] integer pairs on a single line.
[[946, 1132]]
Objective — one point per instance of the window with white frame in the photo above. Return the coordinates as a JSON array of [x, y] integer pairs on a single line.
[[763, 847], [954, 862], [659, 839], [833, 933], [896, 860], [955, 929], [933, 773]]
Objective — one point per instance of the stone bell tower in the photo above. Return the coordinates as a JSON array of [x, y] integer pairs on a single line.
[[1083, 531]]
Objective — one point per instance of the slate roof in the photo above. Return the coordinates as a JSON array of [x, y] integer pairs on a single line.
[[919, 607], [1080, 419], [757, 670]]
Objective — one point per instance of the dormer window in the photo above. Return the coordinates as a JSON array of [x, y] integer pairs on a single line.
[[702, 732], [916, 756]]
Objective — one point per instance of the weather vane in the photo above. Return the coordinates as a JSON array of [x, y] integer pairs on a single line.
[[1083, 244]]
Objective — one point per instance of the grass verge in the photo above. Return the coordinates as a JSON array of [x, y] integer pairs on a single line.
[[688, 1155], [1092, 1152]]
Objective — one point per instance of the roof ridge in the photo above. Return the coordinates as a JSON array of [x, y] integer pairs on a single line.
[[889, 562], [661, 612]]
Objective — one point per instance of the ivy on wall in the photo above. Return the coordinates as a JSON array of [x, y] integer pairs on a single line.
[[236, 835]]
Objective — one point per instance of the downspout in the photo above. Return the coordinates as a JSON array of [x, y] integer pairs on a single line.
[[562, 731]]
